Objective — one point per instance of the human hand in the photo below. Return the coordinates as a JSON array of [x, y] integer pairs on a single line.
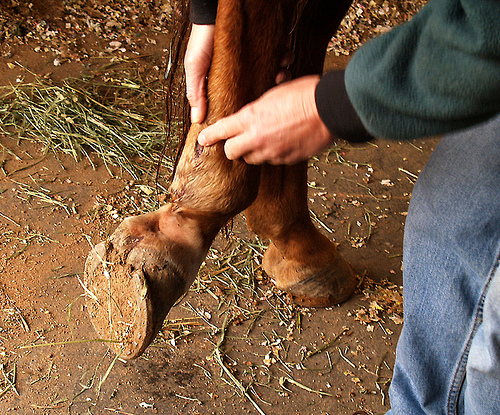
[[196, 64], [281, 127]]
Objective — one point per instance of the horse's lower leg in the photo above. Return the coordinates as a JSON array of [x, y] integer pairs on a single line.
[[134, 278], [151, 260], [300, 259]]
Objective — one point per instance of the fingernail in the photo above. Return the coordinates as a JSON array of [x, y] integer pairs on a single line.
[[195, 115], [201, 139]]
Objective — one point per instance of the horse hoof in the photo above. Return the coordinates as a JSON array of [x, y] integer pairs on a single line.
[[325, 288], [119, 303], [318, 282], [131, 282]]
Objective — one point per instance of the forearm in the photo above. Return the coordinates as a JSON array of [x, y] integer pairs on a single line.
[[437, 73], [203, 12]]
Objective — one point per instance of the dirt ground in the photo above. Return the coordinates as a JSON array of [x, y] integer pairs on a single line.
[[234, 344]]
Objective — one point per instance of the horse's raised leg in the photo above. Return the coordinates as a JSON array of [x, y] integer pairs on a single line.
[[133, 279], [300, 259]]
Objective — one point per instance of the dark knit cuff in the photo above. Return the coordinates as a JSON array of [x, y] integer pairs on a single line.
[[203, 12], [336, 110]]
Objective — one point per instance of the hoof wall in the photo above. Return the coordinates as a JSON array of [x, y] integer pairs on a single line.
[[325, 288]]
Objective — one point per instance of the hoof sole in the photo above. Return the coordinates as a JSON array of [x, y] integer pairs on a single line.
[[119, 303], [134, 278]]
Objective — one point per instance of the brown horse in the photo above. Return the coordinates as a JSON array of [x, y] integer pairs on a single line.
[[133, 279]]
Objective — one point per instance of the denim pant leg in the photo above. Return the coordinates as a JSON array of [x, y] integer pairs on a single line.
[[451, 251], [481, 392]]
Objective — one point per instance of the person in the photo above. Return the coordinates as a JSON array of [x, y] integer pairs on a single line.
[[438, 74]]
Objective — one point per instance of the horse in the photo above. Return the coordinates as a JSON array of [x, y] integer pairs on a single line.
[[134, 278]]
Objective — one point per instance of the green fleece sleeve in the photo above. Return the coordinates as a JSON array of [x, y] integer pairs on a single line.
[[437, 73]]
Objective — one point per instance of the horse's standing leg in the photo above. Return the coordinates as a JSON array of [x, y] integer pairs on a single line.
[[300, 259], [133, 279]]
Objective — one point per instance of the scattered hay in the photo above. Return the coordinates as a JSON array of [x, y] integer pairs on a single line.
[[117, 113], [244, 303], [385, 300], [63, 31]]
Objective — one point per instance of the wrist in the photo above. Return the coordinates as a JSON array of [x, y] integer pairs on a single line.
[[323, 132], [336, 110]]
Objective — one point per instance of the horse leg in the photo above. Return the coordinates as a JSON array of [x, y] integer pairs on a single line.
[[133, 279], [300, 259]]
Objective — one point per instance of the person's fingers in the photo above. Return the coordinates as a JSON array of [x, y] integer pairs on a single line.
[[284, 74], [211, 135], [230, 148], [281, 127], [260, 156], [195, 91], [196, 94], [243, 146], [197, 63], [223, 129], [198, 114], [255, 157], [238, 142]]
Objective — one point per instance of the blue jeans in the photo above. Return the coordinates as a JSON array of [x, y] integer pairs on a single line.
[[448, 355]]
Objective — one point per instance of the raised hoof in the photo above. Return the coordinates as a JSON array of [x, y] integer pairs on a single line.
[[130, 290], [119, 303]]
